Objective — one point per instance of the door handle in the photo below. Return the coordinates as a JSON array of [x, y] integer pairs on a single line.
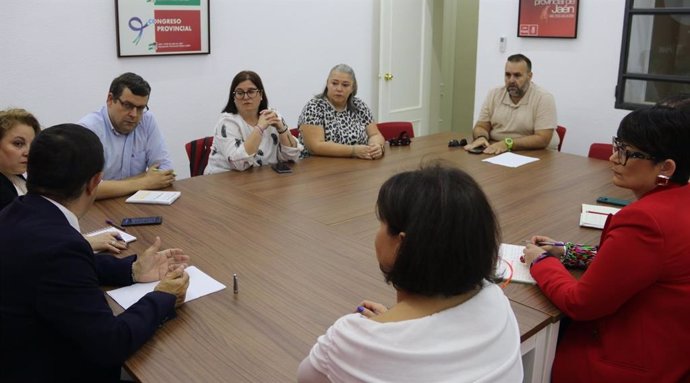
[[388, 76]]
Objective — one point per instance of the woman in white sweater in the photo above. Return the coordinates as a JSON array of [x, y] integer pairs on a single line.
[[248, 133], [450, 323]]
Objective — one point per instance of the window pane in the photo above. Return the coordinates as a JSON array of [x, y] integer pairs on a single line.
[[661, 4], [660, 44], [648, 92]]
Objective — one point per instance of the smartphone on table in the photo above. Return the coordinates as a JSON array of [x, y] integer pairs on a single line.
[[281, 167], [139, 221]]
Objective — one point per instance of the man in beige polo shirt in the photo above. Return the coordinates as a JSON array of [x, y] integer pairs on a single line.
[[517, 116]]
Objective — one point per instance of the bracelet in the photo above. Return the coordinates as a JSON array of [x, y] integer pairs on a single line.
[[538, 259], [261, 131], [283, 131], [577, 255]]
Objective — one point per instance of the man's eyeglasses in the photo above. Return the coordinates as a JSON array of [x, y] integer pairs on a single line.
[[619, 148], [402, 140], [129, 106], [251, 93]]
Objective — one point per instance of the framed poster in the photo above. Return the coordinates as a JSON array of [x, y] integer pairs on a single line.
[[548, 18], [162, 27]]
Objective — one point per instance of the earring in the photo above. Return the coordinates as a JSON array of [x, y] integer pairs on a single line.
[[662, 180]]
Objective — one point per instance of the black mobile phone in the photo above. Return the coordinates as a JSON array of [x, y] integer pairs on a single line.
[[138, 221], [477, 150], [281, 167], [613, 201]]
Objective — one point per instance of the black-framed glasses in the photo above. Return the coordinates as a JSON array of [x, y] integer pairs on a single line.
[[251, 93], [129, 106], [402, 140], [619, 148]]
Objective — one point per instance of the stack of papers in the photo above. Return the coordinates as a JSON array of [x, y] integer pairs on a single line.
[[154, 197], [595, 215], [510, 160], [200, 284], [509, 266], [125, 236]]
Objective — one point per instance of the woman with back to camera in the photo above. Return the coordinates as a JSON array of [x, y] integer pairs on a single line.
[[450, 323], [336, 123], [630, 310], [248, 133], [18, 128]]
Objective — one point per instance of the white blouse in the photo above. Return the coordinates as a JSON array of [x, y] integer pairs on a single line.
[[228, 152], [477, 341]]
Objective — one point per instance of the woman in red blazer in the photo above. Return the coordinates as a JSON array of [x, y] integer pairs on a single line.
[[630, 310]]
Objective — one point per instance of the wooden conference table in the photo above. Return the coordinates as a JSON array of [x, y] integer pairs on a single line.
[[302, 247]]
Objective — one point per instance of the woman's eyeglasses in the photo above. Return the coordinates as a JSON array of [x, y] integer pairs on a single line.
[[251, 93], [619, 148]]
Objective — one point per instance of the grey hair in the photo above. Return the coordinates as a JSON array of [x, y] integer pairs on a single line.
[[343, 68]]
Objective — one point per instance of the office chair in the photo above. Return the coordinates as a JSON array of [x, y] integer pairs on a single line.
[[393, 129], [198, 152], [600, 151], [560, 130]]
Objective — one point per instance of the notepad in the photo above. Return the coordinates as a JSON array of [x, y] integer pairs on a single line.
[[510, 267], [595, 215], [109, 229], [200, 284], [511, 160], [155, 197]]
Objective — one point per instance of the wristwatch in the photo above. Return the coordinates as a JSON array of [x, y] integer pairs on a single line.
[[509, 143]]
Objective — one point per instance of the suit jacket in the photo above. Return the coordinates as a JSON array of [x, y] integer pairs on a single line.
[[55, 323], [7, 191], [631, 308]]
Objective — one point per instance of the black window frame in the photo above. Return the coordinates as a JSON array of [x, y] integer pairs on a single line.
[[623, 75]]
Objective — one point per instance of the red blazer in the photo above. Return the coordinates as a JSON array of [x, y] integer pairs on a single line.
[[631, 308]]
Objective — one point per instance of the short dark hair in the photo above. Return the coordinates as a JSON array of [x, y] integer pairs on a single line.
[[518, 57], [664, 133], [245, 75], [451, 236], [63, 158], [135, 83], [9, 118]]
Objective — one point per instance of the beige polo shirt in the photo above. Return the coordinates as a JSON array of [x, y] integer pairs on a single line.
[[535, 111]]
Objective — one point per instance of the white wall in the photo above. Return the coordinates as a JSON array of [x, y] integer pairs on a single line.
[[580, 73], [59, 57]]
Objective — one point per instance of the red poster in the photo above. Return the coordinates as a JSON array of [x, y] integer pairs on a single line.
[[548, 18], [178, 31]]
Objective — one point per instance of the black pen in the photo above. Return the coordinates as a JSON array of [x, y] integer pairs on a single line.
[[113, 224], [235, 287]]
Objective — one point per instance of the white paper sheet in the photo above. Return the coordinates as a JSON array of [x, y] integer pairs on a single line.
[[125, 236], [200, 284], [510, 160]]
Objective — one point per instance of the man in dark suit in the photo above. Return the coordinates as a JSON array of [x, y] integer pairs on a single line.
[[55, 323]]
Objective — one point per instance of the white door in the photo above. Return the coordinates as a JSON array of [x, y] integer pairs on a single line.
[[405, 62]]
